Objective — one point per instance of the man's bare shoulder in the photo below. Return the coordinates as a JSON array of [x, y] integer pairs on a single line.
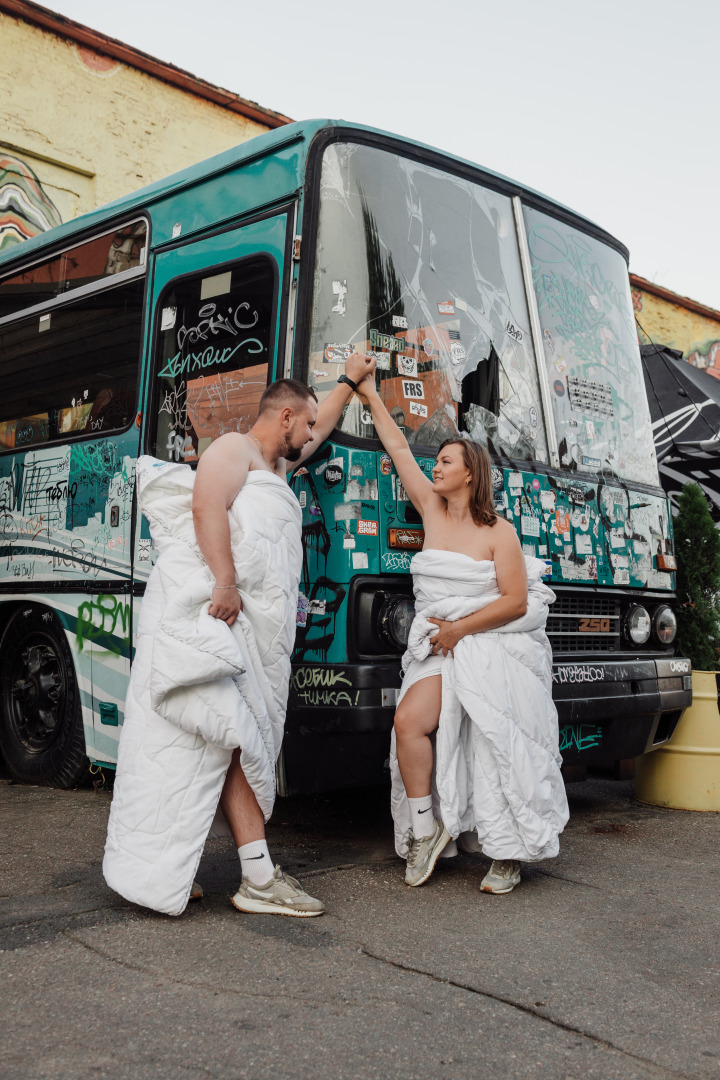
[[232, 446]]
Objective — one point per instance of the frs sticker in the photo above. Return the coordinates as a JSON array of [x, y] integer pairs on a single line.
[[418, 409], [407, 365], [412, 389], [367, 528], [336, 354]]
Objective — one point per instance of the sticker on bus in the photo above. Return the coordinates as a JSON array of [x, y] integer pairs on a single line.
[[367, 528], [412, 389]]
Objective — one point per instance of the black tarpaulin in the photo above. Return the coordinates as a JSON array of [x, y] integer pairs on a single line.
[[685, 412]]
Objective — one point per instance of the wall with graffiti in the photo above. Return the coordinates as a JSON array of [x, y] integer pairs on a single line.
[[26, 209], [665, 318]]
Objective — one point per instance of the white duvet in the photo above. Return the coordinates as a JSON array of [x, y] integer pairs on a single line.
[[497, 762], [198, 688]]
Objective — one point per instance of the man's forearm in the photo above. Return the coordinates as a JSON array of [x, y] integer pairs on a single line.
[[330, 411]]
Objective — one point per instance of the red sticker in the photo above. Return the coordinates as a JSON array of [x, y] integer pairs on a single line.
[[367, 528]]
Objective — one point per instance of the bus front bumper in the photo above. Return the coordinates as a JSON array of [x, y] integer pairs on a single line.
[[340, 716]]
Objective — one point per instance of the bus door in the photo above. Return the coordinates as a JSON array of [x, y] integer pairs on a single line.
[[219, 324]]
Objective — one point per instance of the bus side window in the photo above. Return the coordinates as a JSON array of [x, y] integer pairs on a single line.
[[72, 371], [212, 357]]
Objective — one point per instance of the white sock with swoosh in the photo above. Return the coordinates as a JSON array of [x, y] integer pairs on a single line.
[[422, 816], [257, 866]]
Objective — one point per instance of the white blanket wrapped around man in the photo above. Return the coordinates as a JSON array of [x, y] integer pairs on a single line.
[[199, 688], [497, 765]]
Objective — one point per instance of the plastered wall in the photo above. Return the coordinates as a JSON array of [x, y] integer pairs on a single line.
[[78, 129], [671, 323]]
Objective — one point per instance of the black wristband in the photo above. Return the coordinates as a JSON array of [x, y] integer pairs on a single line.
[[348, 380]]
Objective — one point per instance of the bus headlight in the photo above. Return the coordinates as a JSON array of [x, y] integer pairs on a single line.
[[394, 620], [637, 624], [665, 625]]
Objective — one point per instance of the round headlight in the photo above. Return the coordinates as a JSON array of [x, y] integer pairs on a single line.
[[665, 625], [638, 624], [394, 620]]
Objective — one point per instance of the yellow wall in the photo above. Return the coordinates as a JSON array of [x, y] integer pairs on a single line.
[[92, 128], [668, 323]]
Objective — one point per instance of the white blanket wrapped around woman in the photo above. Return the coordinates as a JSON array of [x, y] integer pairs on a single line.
[[199, 688], [497, 765]]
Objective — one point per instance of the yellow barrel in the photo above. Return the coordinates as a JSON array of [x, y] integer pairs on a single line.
[[684, 773]]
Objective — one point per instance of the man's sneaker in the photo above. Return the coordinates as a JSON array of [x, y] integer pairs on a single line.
[[424, 852], [196, 892], [282, 895], [502, 877]]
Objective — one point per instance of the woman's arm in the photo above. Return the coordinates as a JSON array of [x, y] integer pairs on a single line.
[[512, 583], [420, 490]]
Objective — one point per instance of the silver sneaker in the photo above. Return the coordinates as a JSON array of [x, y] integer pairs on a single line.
[[196, 892], [282, 895], [424, 853], [502, 877]]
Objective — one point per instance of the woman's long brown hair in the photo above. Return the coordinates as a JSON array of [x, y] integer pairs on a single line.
[[477, 460]]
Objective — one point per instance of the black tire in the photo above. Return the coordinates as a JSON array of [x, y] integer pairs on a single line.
[[41, 730]]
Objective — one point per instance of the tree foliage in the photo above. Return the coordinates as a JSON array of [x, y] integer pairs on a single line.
[[697, 549]]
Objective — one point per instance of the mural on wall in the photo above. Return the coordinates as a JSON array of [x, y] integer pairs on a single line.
[[25, 208], [679, 325]]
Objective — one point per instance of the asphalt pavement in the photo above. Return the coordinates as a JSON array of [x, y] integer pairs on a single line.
[[604, 963]]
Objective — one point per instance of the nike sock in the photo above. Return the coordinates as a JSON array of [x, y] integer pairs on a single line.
[[257, 866], [422, 816]]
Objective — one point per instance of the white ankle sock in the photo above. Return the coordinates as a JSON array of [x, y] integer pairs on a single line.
[[422, 816], [257, 866]]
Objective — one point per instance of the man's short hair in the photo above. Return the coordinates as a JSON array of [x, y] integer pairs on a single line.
[[284, 392]]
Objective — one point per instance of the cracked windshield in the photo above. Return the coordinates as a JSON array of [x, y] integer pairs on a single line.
[[421, 269], [591, 352]]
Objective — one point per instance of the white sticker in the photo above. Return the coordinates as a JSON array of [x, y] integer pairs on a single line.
[[168, 317], [347, 511], [412, 389], [399, 322], [445, 307], [620, 562], [533, 416], [457, 352], [407, 365], [320, 374], [460, 304], [547, 500], [339, 289], [590, 429], [217, 285], [144, 550], [402, 495], [316, 607], [418, 409], [640, 547], [382, 360], [348, 541], [515, 480], [621, 577], [617, 540], [177, 229], [530, 525], [359, 560], [302, 498], [583, 544]]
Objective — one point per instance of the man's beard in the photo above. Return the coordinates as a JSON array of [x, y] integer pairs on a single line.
[[293, 454]]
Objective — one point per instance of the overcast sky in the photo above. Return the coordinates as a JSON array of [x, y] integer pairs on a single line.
[[610, 108]]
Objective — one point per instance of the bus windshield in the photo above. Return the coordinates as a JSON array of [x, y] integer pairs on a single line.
[[422, 269]]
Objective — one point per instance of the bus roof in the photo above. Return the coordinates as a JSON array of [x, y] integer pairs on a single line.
[[264, 145]]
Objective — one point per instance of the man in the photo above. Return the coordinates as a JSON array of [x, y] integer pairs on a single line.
[[208, 689]]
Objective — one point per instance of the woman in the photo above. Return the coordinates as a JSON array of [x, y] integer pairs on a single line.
[[477, 676]]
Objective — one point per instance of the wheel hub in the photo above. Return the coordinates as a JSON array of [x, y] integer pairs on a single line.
[[37, 695]]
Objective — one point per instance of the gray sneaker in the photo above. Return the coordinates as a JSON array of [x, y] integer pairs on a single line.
[[424, 853], [282, 895], [502, 877], [196, 892]]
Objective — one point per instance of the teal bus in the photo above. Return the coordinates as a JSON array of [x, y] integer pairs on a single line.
[[153, 325]]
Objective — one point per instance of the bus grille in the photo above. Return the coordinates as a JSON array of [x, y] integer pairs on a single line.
[[582, 623]]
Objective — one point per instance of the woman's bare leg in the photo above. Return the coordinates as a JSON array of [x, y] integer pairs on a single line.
[[417, 717]]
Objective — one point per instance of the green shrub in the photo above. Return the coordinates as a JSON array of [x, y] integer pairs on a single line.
[[697, 549]]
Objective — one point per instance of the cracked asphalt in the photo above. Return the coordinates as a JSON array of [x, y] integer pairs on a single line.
[[604, 963]]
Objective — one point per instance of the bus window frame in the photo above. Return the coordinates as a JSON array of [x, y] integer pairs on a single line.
[[153, 394], [116, 281], [462, 169]]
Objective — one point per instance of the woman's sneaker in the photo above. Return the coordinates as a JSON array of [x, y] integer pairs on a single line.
[[282, 895], [502, 877], [424, 853]]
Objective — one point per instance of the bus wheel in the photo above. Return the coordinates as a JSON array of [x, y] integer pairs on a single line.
[[41, 730]]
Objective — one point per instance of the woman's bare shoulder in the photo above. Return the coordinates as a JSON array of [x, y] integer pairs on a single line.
[[503, 532]]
